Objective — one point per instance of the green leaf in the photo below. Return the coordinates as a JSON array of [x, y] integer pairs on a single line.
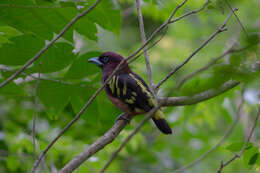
[[9, 32], [46, 21], [107, 17], [236, 58], [237, 146], [81, 68], [12, 163], [55, 96], [79, 98], [56, 58], [253, 38], [83, 26], [250, 155], [250, 40], [12, 89], [253, 159], [20, 50], [108, 112], [3, 40], [234, 147], [67, 4]]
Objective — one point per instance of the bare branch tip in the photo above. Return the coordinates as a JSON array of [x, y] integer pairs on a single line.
[[223, 29], [235, 9]]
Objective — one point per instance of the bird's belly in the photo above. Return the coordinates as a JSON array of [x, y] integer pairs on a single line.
[[124, 107]]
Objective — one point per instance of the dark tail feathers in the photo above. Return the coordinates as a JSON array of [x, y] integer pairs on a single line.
[[162, 125]]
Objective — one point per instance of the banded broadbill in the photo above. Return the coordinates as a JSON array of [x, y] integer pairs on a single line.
[[127, 90]]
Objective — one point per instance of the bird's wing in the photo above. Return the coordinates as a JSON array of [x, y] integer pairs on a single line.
[[133, 91]]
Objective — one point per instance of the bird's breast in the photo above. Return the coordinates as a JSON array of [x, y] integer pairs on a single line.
[[121, 105]]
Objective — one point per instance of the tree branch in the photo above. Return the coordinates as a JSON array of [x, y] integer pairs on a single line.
[[189, 100], [120, 125], [227, 133], [141, 26], [222, 165], [29, 62], [107, 138], [219, 30]]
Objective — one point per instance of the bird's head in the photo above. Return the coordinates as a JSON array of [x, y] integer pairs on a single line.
[[108, 61]]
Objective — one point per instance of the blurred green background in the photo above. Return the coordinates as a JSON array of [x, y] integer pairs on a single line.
[[68, 81]]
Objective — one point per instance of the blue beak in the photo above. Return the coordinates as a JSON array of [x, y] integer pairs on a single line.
[[95, 61]]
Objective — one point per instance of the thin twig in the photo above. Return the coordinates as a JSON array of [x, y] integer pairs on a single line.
[[227, 133], [30, 6], [5, 154], [219, 30], [151, 46], [41, 78], [239, 21], [168, 21], [211, 63], [235, 156], [141, 26], [47, 46], [204, 68], [36, 111], [191, 12], [50, 79]]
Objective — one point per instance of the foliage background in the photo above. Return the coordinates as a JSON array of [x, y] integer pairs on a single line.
[[69, 81]]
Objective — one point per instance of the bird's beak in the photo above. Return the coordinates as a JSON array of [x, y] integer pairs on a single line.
[[95, 61]]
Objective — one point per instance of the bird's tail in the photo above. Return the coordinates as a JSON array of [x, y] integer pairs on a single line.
[[161, 123]]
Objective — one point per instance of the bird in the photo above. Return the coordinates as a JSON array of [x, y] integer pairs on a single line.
[[127, 90]]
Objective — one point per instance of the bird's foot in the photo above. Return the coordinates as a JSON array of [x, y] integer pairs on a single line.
[[124, 117]]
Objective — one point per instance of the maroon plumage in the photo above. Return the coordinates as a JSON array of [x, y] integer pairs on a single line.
[[127, 90]]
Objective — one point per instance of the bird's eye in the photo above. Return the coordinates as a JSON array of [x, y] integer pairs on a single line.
[[105, 59]]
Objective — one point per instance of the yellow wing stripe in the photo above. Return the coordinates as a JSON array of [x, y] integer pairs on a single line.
[[134, 93], [151, 100], [158, 115], [117, 88], [111, 84], [124, 88]]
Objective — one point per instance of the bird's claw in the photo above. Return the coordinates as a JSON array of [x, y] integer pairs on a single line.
[[123, 117]]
